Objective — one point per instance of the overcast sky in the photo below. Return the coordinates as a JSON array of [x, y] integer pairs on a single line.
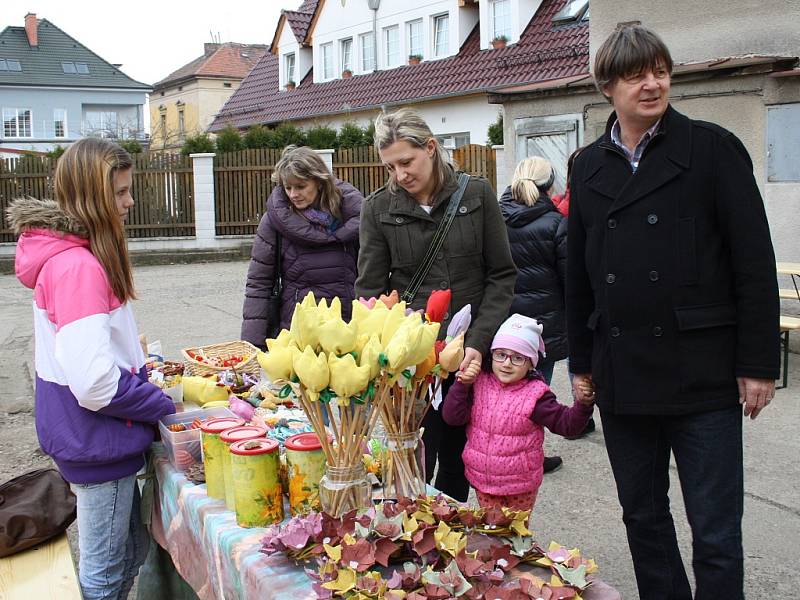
[[152, 38]]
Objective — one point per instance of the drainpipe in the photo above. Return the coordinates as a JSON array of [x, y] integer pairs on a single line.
[[374, 5]]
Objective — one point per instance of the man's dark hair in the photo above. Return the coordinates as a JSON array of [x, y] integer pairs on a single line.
[[630, 50]]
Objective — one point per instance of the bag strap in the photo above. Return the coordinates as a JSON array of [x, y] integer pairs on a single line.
[[277, 279], [436, 243]]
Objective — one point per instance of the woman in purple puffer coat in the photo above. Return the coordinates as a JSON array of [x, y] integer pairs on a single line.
[[317, 217]]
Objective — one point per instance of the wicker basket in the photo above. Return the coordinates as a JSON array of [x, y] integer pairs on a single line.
[[223, 350]]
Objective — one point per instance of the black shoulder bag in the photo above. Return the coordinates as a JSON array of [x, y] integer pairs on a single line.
[[274, 300], [436, 243]]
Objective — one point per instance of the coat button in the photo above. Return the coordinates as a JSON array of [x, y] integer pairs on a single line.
[[462, 210], [615, 332], [440, 256], [652, 219], [657, 331], [611, 278], [653, 275], [398, 220], [612, 223], [444, 285]]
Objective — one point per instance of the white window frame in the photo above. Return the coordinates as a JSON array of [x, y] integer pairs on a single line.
[[103, 130], [56, 120], [366, 43], [346, 54], [289, 67], [503, 28], [16, 121], [435, 32], [326, 61], [391, 56], [419, 48]]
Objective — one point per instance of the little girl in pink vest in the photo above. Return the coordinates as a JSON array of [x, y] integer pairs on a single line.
[[505, 409]]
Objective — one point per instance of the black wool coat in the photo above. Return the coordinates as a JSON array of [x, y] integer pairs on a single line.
[[671, 282], [538, 238]]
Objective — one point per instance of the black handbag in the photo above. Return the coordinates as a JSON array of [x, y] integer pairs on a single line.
[[424, 267], [274, 300], [34, 507]]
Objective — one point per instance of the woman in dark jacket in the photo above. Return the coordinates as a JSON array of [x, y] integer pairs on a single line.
[[537, 232], [397, 226], [317, 217]]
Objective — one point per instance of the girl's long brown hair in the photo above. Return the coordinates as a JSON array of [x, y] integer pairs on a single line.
[[84, 189]]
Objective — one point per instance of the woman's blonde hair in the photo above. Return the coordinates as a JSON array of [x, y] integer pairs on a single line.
[[405, 125], [84, 188], [301, 162], [532, 176]]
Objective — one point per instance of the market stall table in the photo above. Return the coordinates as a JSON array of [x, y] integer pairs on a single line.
[[221, 560]]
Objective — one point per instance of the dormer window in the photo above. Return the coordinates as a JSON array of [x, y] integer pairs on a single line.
[[346, 54], [327, 60], [391, 44], [441, 41], [501, 19], [288, 67], [415, 45], [73, 67], [367, 52], [573, 11]]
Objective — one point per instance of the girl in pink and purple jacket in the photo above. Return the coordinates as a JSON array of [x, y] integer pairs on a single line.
[[506, 410]]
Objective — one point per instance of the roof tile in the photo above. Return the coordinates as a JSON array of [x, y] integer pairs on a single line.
[[229, 60]]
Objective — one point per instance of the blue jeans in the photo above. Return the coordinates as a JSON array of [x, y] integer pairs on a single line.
[[708, 453], [112, 540]]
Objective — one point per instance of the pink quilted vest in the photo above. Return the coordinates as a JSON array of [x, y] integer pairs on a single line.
[[504, 451]]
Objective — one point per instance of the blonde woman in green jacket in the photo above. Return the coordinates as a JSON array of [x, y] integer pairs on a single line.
[[398, 223]]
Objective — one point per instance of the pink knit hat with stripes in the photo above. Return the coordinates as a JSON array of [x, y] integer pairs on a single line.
[[521, 334]]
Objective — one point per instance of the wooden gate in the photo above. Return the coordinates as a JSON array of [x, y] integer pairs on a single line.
[[24, 176], [362, 167], [163, 194], [477, 160], [242, 184]]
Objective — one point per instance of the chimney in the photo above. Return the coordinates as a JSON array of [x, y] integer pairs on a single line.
[[32, 29], [209, 48]]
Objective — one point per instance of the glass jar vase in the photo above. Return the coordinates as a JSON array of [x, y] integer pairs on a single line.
[[343, 489], [403, 465]]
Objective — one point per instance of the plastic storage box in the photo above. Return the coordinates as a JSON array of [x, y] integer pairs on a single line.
[[184, 448]]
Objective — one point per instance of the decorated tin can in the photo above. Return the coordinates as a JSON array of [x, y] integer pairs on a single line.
[[228, 437], [305, 465], [212, 453], [257, 484]]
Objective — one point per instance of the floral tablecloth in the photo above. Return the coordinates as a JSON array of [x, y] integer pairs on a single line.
[[220, 560]]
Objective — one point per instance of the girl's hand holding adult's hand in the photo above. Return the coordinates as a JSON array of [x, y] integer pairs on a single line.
[[470, 374], [583, 388], [470, 355]]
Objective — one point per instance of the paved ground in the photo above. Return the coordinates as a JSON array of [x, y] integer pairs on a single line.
[[185, 305]]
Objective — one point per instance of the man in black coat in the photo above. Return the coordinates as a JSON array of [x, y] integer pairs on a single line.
[[672, 313]]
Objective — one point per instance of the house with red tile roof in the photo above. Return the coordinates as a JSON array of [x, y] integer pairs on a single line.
[[186, 100], [743, 74], [331, 61]]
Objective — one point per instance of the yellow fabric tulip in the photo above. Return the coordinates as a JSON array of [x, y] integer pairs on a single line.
[[370, 355], [335, 309], [200, 390], [452, 354], [277, 363], [347, 379], [430, 331], [392, 322], [403, 345], [312, 370], [369, 321], [305, 325], [336, 336], [283, 340]]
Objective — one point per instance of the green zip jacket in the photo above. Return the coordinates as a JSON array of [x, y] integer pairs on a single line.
[[474, 262]]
